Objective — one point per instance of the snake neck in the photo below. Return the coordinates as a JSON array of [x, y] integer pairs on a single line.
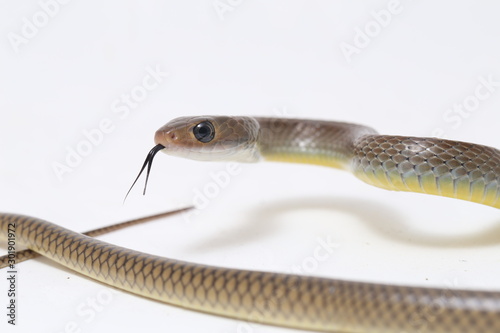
[[309, 141]]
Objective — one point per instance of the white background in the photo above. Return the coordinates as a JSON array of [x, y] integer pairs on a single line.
[[263, 58]]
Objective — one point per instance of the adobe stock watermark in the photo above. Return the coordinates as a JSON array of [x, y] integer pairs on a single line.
[[363, 36], [88, 310], [120, 109], [12, 275], [210, 190], [455, 115], [224, 7], [221, 179], [30, 27], [323, 251]]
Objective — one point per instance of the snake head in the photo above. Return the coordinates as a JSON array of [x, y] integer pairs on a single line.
[[205, 138], [210, 138]]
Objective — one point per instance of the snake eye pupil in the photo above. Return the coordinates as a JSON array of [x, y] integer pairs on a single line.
[[204, 131]]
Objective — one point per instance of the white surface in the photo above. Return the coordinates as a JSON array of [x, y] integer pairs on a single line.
[[264, 58]]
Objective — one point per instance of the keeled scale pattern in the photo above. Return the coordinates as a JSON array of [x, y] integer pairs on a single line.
[[429, 165], [326, 143], [278, 299], [27, 254]]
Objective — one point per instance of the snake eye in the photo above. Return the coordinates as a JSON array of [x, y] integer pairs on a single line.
[[204, 131]]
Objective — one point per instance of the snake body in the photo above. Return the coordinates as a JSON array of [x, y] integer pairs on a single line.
[[443, 167], [28, 254], [435, 166]]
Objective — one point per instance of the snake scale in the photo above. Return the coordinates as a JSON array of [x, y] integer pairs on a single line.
[[28, 254], [427, 165]]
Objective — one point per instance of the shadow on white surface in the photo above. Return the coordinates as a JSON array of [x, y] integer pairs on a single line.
[[383, 220]]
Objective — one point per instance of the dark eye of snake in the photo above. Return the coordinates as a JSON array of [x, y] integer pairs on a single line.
[[204, 131]]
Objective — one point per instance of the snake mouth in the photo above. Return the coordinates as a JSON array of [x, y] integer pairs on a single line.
[[147, 163]]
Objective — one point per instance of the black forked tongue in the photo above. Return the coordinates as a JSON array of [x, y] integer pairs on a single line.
[[147, 163]]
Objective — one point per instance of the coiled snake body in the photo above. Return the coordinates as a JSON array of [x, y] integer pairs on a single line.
[[427, 165]]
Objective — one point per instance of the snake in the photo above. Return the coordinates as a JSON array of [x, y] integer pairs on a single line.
[[433, 166], [15, 257]]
